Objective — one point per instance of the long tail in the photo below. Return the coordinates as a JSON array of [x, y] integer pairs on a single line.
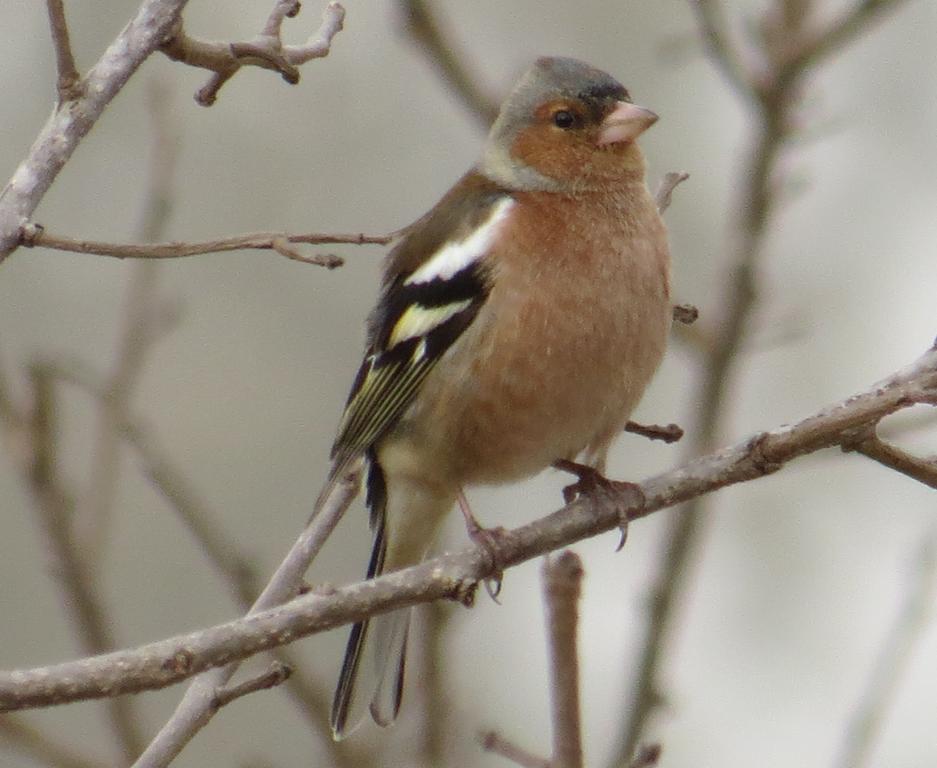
[[373, 669]]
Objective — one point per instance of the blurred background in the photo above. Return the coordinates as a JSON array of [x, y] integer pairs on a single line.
[[795, 580]]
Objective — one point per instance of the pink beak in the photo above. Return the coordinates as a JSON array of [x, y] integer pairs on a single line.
[[625, 123]]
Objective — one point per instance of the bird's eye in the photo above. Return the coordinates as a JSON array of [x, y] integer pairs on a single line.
[[563, 119]]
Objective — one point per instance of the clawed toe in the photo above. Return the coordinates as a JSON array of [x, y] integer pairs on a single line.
[[488, 539], [591, 481]]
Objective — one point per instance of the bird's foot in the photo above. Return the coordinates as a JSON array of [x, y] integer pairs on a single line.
[[591, 482], [488, 539]]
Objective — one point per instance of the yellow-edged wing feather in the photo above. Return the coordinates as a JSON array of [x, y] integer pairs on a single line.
[[435, 283]]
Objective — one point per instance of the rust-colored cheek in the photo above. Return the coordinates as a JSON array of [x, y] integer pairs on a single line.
[[553, 154]]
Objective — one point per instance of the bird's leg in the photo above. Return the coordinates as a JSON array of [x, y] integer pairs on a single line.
[[592, 482], [488, 539]]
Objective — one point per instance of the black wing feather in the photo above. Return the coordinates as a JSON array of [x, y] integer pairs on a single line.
[[392, 373]]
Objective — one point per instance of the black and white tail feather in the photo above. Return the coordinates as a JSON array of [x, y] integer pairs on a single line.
[[435, 283], [372, 682]]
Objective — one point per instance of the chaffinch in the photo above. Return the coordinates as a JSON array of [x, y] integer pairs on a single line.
[[519, 322]]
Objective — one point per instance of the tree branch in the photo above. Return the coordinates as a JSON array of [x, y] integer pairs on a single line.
[[922, 470], [454, 576], [34, 235], [562, 587], [277, 674], [686, 314], [68, 77], [671, 433], [492, 741], [647, 757], [195, 710], [424, 27], [69, 125], [222, 552], [668, 184], [714, 32], [266, 50], [240, 574], [772, 89], [837, 34]]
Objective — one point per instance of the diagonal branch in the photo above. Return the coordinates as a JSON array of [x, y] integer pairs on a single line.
[[423, 25], [922, 470], [714, 32], [195, 710], [455, 575], [837, 34]]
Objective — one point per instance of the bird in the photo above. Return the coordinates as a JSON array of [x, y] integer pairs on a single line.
[[518, 324]]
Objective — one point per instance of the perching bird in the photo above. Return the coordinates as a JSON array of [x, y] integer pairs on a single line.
[[519, 323]]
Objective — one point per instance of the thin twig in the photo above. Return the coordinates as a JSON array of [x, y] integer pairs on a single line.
[[714, 32], [67, 84], [686, 314], [837, 34], [647, 757], [422, 24], [894, 658], [277, 674], [671, 433], [328, 260], [35, 236], [451, 576], [562, 587], [668, 184], [922, 470], [492, 741], [265, 50]]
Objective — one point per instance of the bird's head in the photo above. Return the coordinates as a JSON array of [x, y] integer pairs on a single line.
[[566, 126]]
